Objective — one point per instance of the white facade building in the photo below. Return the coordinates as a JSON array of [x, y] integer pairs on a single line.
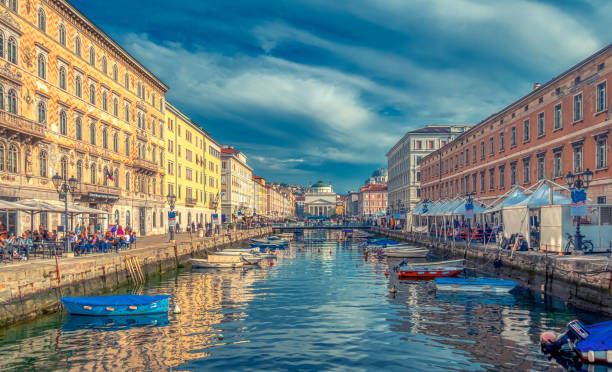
[[320, 200]]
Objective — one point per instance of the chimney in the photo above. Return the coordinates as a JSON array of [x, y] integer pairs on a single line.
[[536, 86]]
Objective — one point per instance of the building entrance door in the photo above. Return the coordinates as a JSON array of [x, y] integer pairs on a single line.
[[142, 218]]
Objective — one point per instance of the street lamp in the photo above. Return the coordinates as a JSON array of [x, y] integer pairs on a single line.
[[64, 189], [172, 202], [579, 182]]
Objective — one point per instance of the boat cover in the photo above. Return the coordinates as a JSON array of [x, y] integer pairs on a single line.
[[121, 300], [476, 281], [599, 340], [384, 241]]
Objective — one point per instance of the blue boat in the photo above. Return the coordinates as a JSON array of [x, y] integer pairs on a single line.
[[114, 323], [492, 285], [116, 305], [382, 242], [597, 347]]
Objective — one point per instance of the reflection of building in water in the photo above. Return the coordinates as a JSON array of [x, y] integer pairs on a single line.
[[516, 323]]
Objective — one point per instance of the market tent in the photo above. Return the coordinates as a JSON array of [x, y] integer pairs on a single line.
[[460, 209], [13, 206], [418, 209], [44, 206], [450, 207], [541, 197], [511, 199]]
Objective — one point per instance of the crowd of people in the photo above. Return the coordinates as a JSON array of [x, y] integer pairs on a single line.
[[115, 238]]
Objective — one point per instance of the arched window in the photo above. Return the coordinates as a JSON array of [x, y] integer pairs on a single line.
[[1, 98], [126, 81], [127, 112], [92, 56], [115, 72], [11, 50], [78, 87], [116, 177], [12, 4], [92, 173], [92, 133], [154, 219], [42, 163], [62, 78], [127, 145], [104, 65], [127, 218], [61, 32], [12, 101], [115, 106], [42, 20], [105, 138], [92, 94], [63, 123], [153, 126], [64, 168], [116, 142], [77, 45], [42, 112], [105, 176], [1, 157], [127, 181], [138, 89], [153, 99], [79, 170], [1, 45], [42, 66], [11, 160], [78, 129], [104, 101]]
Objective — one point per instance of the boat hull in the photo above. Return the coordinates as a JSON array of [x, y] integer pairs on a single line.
[[428, 273], [475, 285], [204, 264], [114, 309], [414, 254]]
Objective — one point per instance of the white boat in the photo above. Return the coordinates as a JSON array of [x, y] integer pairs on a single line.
[[252, 251], [273, 240], [491, 285], [247, 258], [407, 254], [204, 264]]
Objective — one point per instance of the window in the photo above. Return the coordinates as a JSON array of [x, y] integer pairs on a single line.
[[63, 123], [115, 72], [513, 137], [482, 150], [502, 144], [127, 218], [1, 157], [42, 20], [502, 176], [115, 106], [92, 173], [526, 171], [92, 133], [474, 154], [92, 94], [92, 56], [127, 181], [62, 78], [77, 46], [491, 178], [104, 65], [526, 131], [482, 181], [78, 87], [78, 129], [11, 51], [126, 80], [105, 176], [430, 145], [11, 160], [153, 125], [491, 146], [64, 168], [540, 124], [578, 107], [577, 159], [127, 112], [105, 138], [105, 101], [12, 4], [467, 156], [79, 170], [42, 112], [42, 66], [116, 142], [170, 167], [601, 96], [541, 171], [42, 163], [601, 155], [558, 165], [61, 32], [127, 145], [418, 145], [1, 98], [116, 177], [512, 174]]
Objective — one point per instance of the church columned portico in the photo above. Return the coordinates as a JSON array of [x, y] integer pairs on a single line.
[[320, 200]]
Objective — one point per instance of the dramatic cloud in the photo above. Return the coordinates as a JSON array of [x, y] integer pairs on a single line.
[[319, 89]]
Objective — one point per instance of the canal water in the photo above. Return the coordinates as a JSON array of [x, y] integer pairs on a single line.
[[320, 307]]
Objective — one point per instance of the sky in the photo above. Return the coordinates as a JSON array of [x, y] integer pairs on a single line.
[[321, 90]]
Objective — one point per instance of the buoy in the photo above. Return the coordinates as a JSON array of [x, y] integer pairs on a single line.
[[110, 309], [132, 307], [609, 356], [393, 290], [591, 356], [271, 263], [177, 309], [386, 272], [220, 337], [87, 307]]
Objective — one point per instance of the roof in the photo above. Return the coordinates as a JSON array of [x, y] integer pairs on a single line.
[[374, 187], [432, 129], [229, 151], [320, 184]]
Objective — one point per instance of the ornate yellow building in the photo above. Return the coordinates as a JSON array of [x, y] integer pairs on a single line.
[[193, 169], [74, 103]]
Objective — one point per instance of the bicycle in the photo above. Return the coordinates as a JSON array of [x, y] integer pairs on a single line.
[[587, 245]]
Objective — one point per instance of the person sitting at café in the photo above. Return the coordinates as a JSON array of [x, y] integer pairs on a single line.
[[99, 240], [520, 244], [108, 242]]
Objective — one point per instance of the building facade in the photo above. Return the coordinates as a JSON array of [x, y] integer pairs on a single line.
[[212, 178], [320, 200], [274, 201], [76, 104], [404, 162], [379, 176], [236, 184], [373, 201], [563, 125], [260, 196]]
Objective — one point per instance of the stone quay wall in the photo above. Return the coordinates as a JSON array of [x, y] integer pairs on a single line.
[[584, 281], [32, 288]]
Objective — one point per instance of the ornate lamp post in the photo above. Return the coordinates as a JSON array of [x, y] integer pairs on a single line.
[[172, 202], [64, 188], [579, 182]]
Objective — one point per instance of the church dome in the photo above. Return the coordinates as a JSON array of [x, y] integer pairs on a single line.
[[320, 184]]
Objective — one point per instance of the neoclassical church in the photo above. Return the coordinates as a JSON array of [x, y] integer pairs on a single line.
[[320, 200]]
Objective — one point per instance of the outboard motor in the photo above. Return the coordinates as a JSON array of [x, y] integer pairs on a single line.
[[576, 331]]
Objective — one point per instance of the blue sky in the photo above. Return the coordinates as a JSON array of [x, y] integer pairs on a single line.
[[321, 89]]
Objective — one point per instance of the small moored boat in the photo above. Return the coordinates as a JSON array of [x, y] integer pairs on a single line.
[[493, 285], [591, 343], [116, 305], [416, 272], [205, 264], [401, 253]]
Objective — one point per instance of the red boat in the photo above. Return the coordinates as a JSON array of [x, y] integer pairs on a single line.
[[428, 272]]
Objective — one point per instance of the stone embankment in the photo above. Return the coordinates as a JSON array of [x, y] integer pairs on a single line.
[[585, 281], [31, 288]]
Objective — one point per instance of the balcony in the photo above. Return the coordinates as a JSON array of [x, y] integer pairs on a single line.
[[145, 166], [99, 192], [190, 201], [12, 124], [141, 134]]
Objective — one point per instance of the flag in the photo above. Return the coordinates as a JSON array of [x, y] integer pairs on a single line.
[[109, 175]]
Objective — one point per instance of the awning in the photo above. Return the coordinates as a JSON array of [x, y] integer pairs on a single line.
[[44, 206], [513, 198], [13, 206], [541, 197]]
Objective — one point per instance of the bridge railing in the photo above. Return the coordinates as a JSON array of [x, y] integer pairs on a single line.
[[322, 225]]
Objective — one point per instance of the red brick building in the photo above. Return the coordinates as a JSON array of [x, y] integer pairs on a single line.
[[560, 126]]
